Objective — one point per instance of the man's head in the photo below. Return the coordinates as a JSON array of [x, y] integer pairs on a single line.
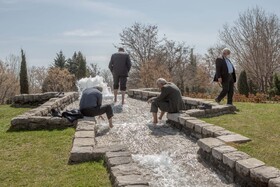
[[161, 82], [121, 49], [226, 52]]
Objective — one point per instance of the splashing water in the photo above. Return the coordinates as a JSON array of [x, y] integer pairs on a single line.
[[89, 82]]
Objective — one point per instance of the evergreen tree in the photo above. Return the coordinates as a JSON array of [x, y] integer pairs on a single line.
[[276, 85], [82, 68], [23, 75], [242, 85], [59, 61], [72, 64], [252, 87]]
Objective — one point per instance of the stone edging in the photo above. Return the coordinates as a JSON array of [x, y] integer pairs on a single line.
[[123, 171], [33, 99], [40, 118]]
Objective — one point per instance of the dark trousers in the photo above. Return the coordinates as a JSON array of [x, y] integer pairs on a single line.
[[120, 81], [228, 88], [163, 106], [96, 111]]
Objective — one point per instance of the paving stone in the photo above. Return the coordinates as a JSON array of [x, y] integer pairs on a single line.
[[81, 154], [230, 158], [234, 138], [85, 127], [184, 118], [130, 180], [82, 142], [264, 173], [100, 151], [222, 132], [218, 152], [206, 144], [210, 130], [196, 112], [274, 182], [190, 123], [117, 154], [173, 116], [84, 134], [115, 161], [243, 166], [198, 127], [137, 185], [125, 169]]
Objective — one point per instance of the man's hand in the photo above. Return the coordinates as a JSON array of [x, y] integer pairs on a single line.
[[101, 117], [151, 99], [220, 80]]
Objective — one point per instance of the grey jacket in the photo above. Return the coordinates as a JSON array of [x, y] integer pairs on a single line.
[[171, 93], [120, 64], [91, 98]]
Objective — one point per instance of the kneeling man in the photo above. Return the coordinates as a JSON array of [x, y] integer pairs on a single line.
[[91, 104], [170, 99]]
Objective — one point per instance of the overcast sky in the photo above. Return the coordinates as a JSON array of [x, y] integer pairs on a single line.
[[44, 27]]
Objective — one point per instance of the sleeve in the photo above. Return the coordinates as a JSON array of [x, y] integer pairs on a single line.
[[218, 68], [128, 63], [164, 93], [111, 64]]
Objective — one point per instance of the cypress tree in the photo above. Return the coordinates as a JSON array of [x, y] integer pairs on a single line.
[[242, 85], [23, 75], [82, 68]]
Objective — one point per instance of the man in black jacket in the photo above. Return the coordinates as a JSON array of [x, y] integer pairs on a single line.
[[120, 66], [170, 99], [225, 75]]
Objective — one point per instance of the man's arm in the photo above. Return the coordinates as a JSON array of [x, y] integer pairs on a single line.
[[218, 69], [111, 64], [99, 99], [164, 93], [128, 63]]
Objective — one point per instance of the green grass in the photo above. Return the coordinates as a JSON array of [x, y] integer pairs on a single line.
[[39, 158], [261, 123]]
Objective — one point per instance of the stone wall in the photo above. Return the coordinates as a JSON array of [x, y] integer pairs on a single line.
[[32, 99], [40, 117]]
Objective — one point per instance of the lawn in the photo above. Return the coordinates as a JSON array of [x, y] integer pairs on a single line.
[[39, 158], [261, 123]]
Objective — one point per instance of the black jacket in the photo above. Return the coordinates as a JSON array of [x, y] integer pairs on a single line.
[[222, 70], [120, 64]]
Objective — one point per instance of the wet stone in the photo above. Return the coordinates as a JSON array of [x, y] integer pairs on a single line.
[[218, 152], [206, 144], [264, 173], [125, 169], [117, 154], [230, 158], [118, 161], [243, 166]]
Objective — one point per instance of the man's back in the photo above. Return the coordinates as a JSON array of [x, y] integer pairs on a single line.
[[120, 64], [91, 98]]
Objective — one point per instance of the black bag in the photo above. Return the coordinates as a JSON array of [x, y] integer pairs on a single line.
[[72, 115]]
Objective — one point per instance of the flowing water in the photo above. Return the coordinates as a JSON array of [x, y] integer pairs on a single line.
[[166, 156]]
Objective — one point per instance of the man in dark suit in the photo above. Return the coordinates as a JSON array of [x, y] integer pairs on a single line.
[[120, 66], [170, 100], [225, 75]]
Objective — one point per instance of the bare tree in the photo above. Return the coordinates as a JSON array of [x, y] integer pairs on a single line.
[[255, 42], [140, 41], [107, 76], [93, 70], [37, 75]]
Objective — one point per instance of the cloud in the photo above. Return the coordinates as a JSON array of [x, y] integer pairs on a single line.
[[82, 33]]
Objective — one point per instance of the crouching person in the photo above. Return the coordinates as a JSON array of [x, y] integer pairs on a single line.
[[170, 100], [91, 104]]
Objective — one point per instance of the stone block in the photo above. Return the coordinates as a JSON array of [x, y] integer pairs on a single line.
[[230, 159], [199, 126], [100, 151], [206, 144], [85, 126], [130, 93], [19, 120], [117, 154], [222, 132], [243, 166], [209, 131], [84, 142], [275, 182], [115, 161], [84, 134], [190, 123], [184, 118], [196, 112], [125, 169], [81, 154], [130, 180], [217, 152], [173, 116], [234, 138], [264, 173]]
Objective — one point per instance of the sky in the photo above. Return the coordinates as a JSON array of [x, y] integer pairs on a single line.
[[44, 27]]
